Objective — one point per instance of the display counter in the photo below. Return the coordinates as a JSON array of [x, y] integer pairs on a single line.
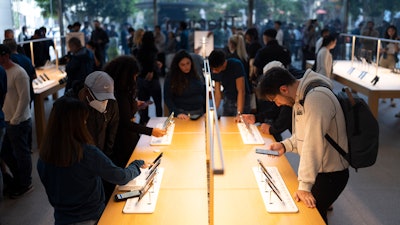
[[183, 197], [359, 77], [237, 195], [388, 85], [47, 83]]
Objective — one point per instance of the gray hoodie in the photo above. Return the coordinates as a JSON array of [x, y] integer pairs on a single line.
[[319, 114]]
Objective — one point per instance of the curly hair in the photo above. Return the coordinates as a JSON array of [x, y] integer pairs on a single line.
[[179, 80]]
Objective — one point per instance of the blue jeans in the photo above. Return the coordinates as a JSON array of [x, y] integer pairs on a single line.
[[147, 89], [2, 132], [229, 107], [17, 155]]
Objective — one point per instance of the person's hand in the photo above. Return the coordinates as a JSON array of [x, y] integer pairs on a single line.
[[277, 146], [265, 128], [157, 132], [238, 119], [141, 104], [149, 76], [305, 197], [249, 118], [159, 64], [183, 116], [146, 165]]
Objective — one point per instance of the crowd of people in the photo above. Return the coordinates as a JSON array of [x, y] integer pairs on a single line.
[[114, 76]]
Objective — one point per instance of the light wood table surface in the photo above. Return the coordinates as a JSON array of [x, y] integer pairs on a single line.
[[41, 93], [183, 194], [237, 199]]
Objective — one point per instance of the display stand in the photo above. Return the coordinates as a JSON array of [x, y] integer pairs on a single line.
[[148, 202], [274, 204]]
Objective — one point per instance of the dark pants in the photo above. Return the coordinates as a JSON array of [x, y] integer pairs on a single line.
[[229, 107], [327, 188], [149, 89], [16, 153]]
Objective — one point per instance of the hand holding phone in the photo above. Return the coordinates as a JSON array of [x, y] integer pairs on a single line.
[[126, 195], [267, 152]]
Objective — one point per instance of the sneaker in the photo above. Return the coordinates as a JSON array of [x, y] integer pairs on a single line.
[[19, 193]]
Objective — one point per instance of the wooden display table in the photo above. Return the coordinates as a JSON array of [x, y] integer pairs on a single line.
[[237, 197], [388, 85], [41, 93], [182, 198]]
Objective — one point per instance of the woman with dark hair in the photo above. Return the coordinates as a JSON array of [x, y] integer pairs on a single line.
[[124, 70], [389, 52], [184, 90], [148, 80], [71, 167], [324, 61]]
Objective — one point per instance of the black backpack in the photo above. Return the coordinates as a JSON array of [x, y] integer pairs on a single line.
[[361, 126]]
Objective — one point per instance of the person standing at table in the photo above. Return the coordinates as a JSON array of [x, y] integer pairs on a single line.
[[124, 70], [230, 74], [324, 60], [369, 45], [274, 120], [184, 90], [148, 80], [3, 91], [16, 151], [323, 173], [70, 167], [389, 51], [100, 39], [80, 63]]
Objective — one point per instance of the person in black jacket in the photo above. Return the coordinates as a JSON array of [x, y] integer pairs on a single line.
[[274, 119], [124, 70], [80, 62], [148, 80], [102, 123]]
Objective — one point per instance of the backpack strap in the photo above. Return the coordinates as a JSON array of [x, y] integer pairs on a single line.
[[311, 86], [315, 84], [336, 146]]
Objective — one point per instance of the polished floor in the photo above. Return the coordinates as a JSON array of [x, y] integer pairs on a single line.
[[372, 196]]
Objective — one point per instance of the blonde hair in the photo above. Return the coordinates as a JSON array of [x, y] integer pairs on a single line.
[[237, 42], [137, 37]]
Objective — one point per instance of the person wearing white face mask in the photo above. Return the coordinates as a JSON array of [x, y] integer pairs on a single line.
[[98, 93], [102, 123]]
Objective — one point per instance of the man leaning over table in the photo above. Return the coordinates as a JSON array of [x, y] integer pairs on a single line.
[[323, 173]]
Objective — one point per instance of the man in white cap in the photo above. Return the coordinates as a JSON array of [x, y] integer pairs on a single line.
[[274, 120], [102, 123]]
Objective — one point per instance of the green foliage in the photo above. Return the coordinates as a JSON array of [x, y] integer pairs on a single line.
[[79, 10]]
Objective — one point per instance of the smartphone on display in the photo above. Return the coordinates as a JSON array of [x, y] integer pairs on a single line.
[[126, 195], [267, 152]]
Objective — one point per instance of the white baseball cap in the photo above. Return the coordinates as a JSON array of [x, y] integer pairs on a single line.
[[271, 65], [101, 85]]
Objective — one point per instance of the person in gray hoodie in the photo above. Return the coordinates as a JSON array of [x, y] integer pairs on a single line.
[[323, 173]]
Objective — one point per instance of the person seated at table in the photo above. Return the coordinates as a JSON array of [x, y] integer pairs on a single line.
[[184, 89], [230, 74], [70, 167], [124, 70]]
